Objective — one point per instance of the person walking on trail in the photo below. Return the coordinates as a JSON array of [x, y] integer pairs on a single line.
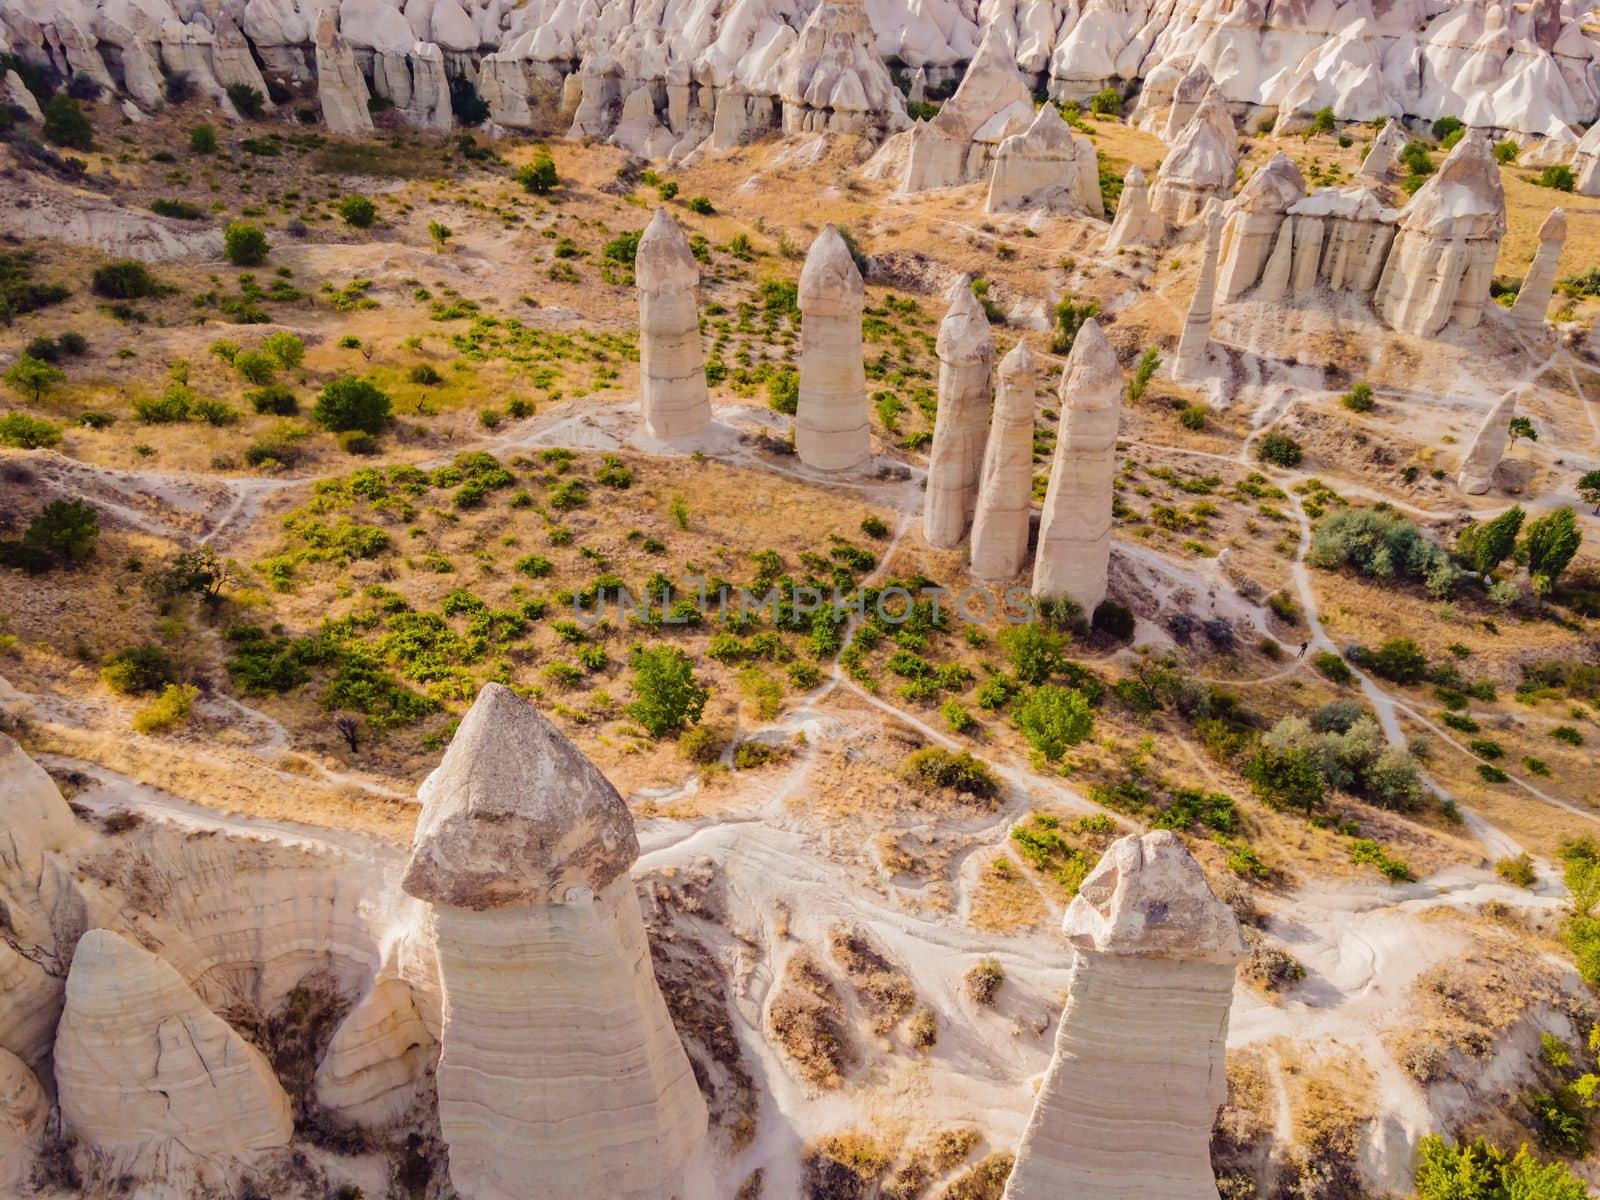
[[1304, 646]]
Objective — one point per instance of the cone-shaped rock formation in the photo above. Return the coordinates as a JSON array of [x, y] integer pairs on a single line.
[[1196, 334], [966, 349], [1005, 487], [830, 425], [1489, 446], [672, 366], [1533, 298]]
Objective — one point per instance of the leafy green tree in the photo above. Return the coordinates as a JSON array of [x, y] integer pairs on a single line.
[[1558, 176], [123, 279], [1401, 660], [27, 433], [358, 211], [202, 140], [65, 123], [1036, 652], [1522, 427], [244, 244], [34, 377], [1054, 718], [539, 177], [65, 529], [1322, 122], [1480, 1171], [1287, 776], [199, 572], [1549, 546], [1106, 103], [350, 402], [1589, 489], [668, 695], [1488, 545], [1279, 450], [1070, 317], [287, 348], [440, 233]]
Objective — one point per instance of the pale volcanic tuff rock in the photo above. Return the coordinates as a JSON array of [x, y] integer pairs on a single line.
[[341, 88], [1342, 239], [1074, 554], [1005, 485], [833, 80], [1135, 223], [559, 1061], [144, 1068], [1448, 238], [1200, 167], [992, 102], [1126, 1108], [18, 96], [1489, 445], [1257, 215], [1196, 336], [1533, 298], [231, 60], [830, 424], [1384, 156], [416, 83], [23, 1109], [370, 1070], [966, 350], [36, 819], [1046, 167], [1586, 162], [672, 368]]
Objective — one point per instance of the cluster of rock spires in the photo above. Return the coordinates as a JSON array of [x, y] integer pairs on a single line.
[[663, 80], [533, 1004]]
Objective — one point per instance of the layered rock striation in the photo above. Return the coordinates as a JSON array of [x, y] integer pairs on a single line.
[[1005, 486], [1538, 286], [966, 351], [830, 425], [1488, 446], [672, 368], [1048, 167]]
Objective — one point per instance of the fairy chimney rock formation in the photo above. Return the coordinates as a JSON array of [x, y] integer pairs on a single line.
[[1005, 486], [144, 1068], [833, 79], [1200, 167], [672, 367], [992, 102], [1489, 446], [1257, 224], [1127, 1105], [830, 424], [1135, 224], [1074, 555], [370, 1070], [23, 1108], [341, 88], [1046, 167], [1381, 160], [1442, 261], [559, 1061], [1533, 298], [1196, 334], [966, 350]]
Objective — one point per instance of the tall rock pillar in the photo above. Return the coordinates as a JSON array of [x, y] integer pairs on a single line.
[[1489, 446], [1126, 1109], [341, 88], [672, 367], [1005, 487], [1196, 334], [830, 424], [966, 350], [1533, 298], [1074, 555], [560, 1070]]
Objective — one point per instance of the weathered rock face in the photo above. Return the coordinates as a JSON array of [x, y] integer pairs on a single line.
[[672, 367], [1196, 336], [834, 81], [1380, 162], [1126, 1108], [230, 58], [1586, 163], [416, 83], [830, 425], [141, 1062], [1489, 446], [1074, 554], [23, 1108], [35, 817], [1258, 212], [1201, 166], [370, 1070], [1439, 269], [559, 1061], [1005, 487], [341, 88], [961, 427], [1135, 224], [993, 102], [18, 95], [1538, 286], [1046, 167]]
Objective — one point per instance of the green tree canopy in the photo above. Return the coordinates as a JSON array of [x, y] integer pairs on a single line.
[[668, 695]]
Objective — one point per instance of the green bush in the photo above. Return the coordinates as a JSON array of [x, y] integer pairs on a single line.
[[1488, 545], [244, 245], [783, 391], [247, 100], [134, 669], [273, 400], [27, 433], [65, 123], [1036, 652], [64, 531], [668, 697], [1558, 176], [350, 402], [1506, 152], [1279, 450], [123, 279], [202, 140], [1549, 547], [1400, 660], [702, 744], [287, 348], [1106, 103], [358, 211], [701, 205], [931, 768], [1332, 667], [1053, 719], [1070, 317], [539, 177], [255, 366], [1383, 546], [1480, 1171], [1359, 398], [33, 377], [167, 711], [179, 210]]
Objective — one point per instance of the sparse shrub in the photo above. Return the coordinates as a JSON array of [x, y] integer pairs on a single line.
[[66, 124], [933, 767], [247, 100], [701, 745], [1518, 870], [134, 669], [288, 349], [202, 140], [539, 177], [1279, 450], [350, 402], [123, 279], [256, 367], [1114, 620], [178, 210], [1558, 176], [168, 710], [984, 978], [1070, 317], [1359, 398], [244, 245], [274, 399], [358, 211]]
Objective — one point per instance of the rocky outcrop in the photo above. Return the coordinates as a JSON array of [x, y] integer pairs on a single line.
[[18, 96], [341, 88], [1135, 225], [1005, 486], [830, 425], [966, 350], [1384, 156], [1171, 94], [1074, 555], [1200, 167], [1446, 244], [1046, 167], [1342, 239], [36, 818], [992, 103], [370, 1071], [672, 368], [1488, 446], [833, 79], [232, 62], [558, 1061], [1126, 1108], [1253, 228], [1586, 162], [1538, 286], [23, 1109], [1196, 336], [144, 1070], [415, 82]]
